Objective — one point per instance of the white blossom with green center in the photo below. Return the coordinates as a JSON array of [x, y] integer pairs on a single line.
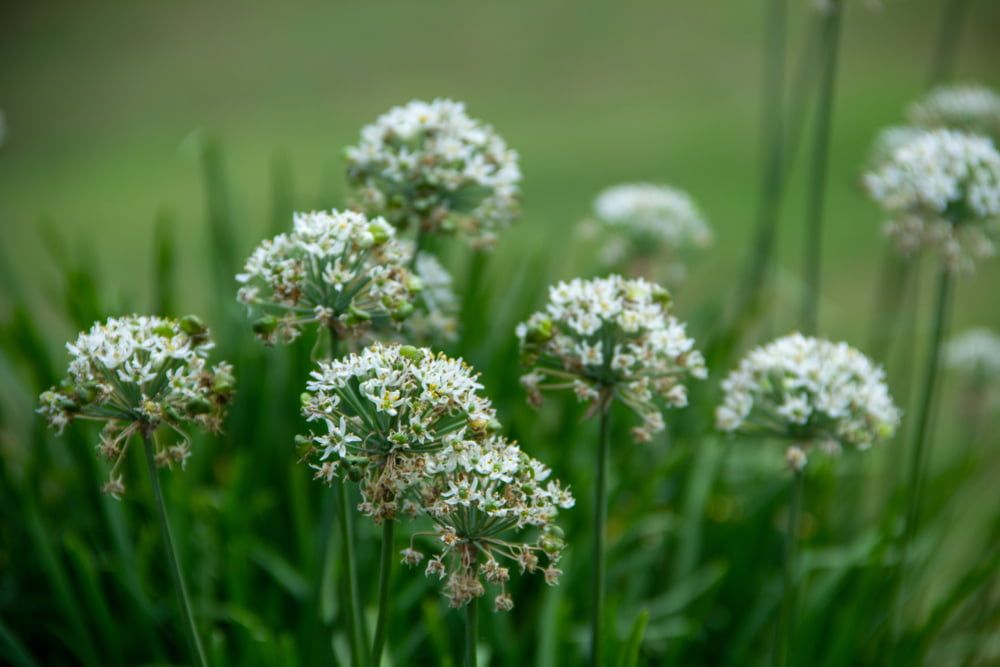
[[428, 165], [611, 338], [338, 269]]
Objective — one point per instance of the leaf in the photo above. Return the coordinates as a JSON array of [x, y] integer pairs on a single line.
[[629, 657]]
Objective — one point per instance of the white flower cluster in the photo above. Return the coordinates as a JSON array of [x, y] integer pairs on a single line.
[[611, 338], [384, 411], [941, 189], [435, 316], [428, 165], [135, 373], [338, 269], [968, 107], [656, 214], [810, 391], [478, 491], [974, 352]]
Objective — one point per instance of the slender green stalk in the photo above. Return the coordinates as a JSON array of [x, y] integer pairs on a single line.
[[894, 278], [359, 646], [471, 625], [600, 522], [384, 575], [172, 558], [949, 31], [925, 408], [786, 619], [817, 172]]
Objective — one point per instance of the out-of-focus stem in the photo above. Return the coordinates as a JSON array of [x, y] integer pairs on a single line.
[[384, 576], [600, 526], [786, 618]]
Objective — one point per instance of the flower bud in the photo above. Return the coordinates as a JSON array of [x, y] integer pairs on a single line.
[[265, 326]]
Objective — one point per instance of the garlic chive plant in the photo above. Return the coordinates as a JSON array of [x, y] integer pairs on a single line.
[[974, 356], [339, 270], [945, 185], [967, 107], [494, 507], [379, 416], [429, 167], [652, 223], [609, 339], [808, 392], [140, 375]]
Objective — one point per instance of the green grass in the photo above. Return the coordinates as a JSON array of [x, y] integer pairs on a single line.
[[109, 110]]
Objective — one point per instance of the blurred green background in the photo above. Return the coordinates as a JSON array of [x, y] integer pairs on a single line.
[[109, 107]]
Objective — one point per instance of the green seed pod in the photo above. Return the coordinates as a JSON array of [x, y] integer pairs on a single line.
[[358, 314], [541, 332], [265, 326], [662, 296], [164, 330], [193, 326], [414, 284], [402, 311], [378, 234], [410, 352], [305, 398], [354, 473], [87, 393], [199, 406]]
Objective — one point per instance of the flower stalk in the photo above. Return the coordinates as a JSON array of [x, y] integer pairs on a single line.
[[786, 619], [172, 558], [384, 577], [471, 627], [600, 529]]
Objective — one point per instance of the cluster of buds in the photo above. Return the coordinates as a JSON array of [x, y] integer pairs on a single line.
[[137, 374], [338, 269], [811, 392], [428, 165], [611, 338], [940, 189], [477, 492]]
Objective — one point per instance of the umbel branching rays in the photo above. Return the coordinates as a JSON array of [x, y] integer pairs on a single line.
[[140, 375]]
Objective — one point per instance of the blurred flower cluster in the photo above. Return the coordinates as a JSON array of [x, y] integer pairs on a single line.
[[968, 107]]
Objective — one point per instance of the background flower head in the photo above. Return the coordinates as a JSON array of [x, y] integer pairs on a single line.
[[968, 107]]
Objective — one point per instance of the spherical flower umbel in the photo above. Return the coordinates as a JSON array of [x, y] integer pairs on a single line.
[[975, 352], [429, 165], [382, 412], [941, 189], [653, 214], [136, 374], [435, 315], [809, 391], [487, 498], [968, 107], [611, 338], [337, 269]]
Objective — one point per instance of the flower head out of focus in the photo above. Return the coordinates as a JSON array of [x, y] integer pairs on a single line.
[[337, 269], [941, 189], [435, 315], [136, 374], [494, 507], [428, 165], [381, 413], [656, 214], [975, 352], [611, 338], [967, 107], [809, 391]]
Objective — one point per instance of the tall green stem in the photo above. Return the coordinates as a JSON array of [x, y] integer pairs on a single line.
[[359, 646], [172, 558], [384, 575], [925, 408], [818, 169], [600, 522], [786, 619], [893, 281], [471, 625], [949, 31]]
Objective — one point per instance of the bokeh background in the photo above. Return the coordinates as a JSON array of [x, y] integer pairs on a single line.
[[111, 110]]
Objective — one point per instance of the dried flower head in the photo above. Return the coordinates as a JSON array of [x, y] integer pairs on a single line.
[[428, 165], [810, 391], [337, 269], [383, 412], [975, 352], [941, 189], [138, 373], [485, 497], [611, 338], [967, 107]]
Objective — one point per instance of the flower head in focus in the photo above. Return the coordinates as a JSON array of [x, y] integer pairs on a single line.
[[941, 189], [809, 391], [611, 338], [337, 269], [486, 497], [381, 413], [136, 374], [428, 165], [966, 107]]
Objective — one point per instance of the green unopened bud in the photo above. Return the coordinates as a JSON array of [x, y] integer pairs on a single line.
[[87, 393], [193, 326], [164, 330], [223, 384], [410, 352], [265, 326], [305, 398], [199, 406], [494, 426], [68, 404], [357, 314], [171, 413], [661, 295], [414, 284], [354, 473], [402, 311], [540, 332], [379, 233]]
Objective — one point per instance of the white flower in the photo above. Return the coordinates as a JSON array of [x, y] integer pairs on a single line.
[[428, 165], [611, 336], [653, 213], [435, 315], [808, 390], [385, 410], [941, 189], [135, 373], [974, 352], [337, 269], [967, 107]]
